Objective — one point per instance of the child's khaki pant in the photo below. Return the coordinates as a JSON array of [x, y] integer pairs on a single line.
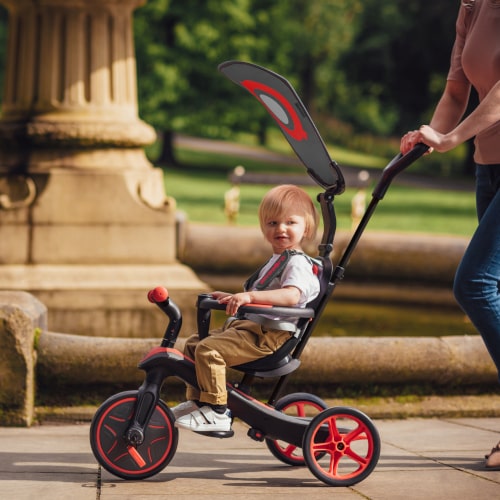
[[237, 342]]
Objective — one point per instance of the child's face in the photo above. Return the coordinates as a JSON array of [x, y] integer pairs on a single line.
[[285, 232]]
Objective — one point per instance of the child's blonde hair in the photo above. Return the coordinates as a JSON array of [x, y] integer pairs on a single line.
[[288, 198]]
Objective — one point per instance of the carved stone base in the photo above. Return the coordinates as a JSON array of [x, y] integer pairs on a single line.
[[91, 245], [107, 300]]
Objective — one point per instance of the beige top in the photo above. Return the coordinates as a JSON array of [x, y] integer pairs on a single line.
[[476, 59]]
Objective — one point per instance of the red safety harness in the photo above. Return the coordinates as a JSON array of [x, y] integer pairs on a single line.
[[277, 269]]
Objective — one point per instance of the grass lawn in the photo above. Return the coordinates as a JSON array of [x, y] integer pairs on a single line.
[[199, 191]]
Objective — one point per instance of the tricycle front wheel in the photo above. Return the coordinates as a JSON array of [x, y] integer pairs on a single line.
[[116, 454]]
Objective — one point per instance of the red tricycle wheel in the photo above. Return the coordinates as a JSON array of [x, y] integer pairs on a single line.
[[115, 454], [300, 404], [341, 446]]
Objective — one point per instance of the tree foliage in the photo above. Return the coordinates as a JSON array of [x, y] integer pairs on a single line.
[[397, 65], [364, 66], [377, 66], [179, 44]]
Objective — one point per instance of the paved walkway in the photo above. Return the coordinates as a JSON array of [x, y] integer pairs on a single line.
[[431, 459]]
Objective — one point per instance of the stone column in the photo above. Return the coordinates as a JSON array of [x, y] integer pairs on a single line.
[[86, 226], [70, 87]]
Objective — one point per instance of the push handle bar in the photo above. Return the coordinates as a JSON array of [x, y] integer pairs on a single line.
[[396, 166]]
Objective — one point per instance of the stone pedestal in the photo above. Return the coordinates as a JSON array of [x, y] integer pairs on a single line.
[[86, 225]]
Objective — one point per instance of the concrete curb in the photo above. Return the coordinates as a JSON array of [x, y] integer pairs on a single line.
[[65, 359], [75, 359], [396, 407]]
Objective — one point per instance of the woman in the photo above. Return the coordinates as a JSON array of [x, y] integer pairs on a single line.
[[475, 61]]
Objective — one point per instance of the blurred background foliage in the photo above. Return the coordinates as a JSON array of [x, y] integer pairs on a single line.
[[366, 70]]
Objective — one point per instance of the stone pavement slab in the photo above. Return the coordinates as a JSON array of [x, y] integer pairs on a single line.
[[431, 459], [434, 459], [47, 462]]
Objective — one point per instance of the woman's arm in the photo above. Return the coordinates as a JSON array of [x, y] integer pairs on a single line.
[[450, 109], [486, 114]]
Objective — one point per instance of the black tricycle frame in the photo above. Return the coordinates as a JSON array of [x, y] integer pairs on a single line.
[[133, 433]]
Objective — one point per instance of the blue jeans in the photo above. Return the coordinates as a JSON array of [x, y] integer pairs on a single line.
[[477, 279]]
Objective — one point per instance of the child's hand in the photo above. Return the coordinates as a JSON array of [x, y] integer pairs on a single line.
[[233, 302], [219, 295]]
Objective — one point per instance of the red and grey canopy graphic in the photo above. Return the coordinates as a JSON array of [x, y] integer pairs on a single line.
[[282, 102], [279, 108]]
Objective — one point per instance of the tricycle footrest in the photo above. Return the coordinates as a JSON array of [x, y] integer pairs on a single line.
[[217, 434], [256, 435]]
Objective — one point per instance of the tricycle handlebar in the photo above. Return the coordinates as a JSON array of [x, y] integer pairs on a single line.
[[205, 301]]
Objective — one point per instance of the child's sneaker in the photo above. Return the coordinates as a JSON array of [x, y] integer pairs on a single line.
[[205, 419], [184, 409]]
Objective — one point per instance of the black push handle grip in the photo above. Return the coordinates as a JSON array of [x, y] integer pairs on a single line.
[[396, 166]]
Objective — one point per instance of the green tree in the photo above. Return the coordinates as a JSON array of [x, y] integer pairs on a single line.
[[365, 67], [397, 65], [179, 44], [307, 38]]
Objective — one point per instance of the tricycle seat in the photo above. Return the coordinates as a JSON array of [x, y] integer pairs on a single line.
[[275, 365]]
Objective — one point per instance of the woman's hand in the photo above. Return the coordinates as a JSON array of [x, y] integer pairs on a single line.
[[447, 116], [411, 139], [430, 137], [434, 139]]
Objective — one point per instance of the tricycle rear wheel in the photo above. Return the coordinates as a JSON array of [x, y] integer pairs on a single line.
[[341, 446], [299, 404]]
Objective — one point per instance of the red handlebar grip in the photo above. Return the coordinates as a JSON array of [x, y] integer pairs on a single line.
[[158, 294]]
